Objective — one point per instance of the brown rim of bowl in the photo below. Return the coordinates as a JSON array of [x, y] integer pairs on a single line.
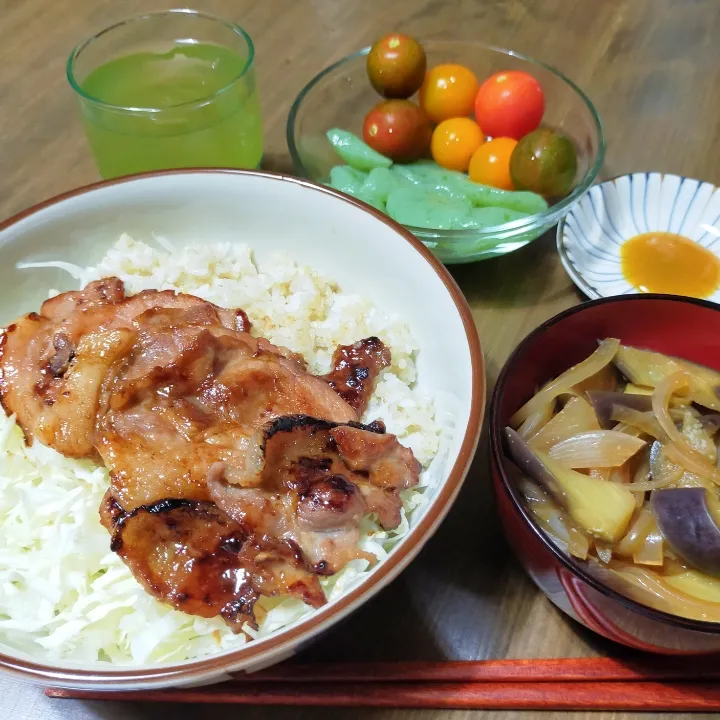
[[498, 456], [322, 618]]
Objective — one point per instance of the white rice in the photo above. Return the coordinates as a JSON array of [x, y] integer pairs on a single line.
[[63, 594]]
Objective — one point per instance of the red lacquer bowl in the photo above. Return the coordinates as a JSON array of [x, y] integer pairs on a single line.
[[676, 326]]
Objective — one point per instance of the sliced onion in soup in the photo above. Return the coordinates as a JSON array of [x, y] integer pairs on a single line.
[[596, 449], [576, 417], [565, 382]]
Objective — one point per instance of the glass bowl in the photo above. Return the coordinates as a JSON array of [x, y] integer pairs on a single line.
[[341, 95], [684, 327]]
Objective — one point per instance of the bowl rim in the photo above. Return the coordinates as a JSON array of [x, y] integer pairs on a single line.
[[498, 458], [286, 639], [515, 227]]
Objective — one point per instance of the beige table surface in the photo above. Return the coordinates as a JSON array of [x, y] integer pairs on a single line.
[[652, 67]]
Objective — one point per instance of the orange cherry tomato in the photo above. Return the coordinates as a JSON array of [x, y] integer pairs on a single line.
[[454, 141], [448, 91], [490, 164], [509, 104]]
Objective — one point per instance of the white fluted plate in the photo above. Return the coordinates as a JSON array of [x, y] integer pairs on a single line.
[[589, 238]]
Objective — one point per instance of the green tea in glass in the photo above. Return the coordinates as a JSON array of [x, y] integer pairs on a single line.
[[172, 89]]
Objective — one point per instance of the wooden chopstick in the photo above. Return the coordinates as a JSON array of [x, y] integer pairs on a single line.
[[531, 671], [646, 696], [651, 683]]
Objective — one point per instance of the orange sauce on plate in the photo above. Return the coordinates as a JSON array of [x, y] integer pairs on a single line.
[[663, 262]]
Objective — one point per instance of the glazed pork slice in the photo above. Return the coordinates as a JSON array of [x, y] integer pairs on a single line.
[[38, 349], [355, 370], [189, 396], [387, 466], [152, 433], [193, 557], [68, 424], [380, 457], [206, 312], [298, 485], [23, 372], [99, 293], [300, 518]]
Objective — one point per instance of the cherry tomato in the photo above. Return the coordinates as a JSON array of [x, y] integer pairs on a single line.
[[448, 91], [398, 129], [396, 66], [545, 162], [454, 141], [490, 164], [509, 104]]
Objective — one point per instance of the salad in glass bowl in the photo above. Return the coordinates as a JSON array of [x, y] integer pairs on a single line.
[[475, 149]]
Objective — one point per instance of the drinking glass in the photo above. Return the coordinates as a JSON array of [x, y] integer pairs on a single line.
[[172, 89]]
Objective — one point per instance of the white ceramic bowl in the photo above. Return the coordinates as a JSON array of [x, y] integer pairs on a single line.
[[590, 237], [363, 250]]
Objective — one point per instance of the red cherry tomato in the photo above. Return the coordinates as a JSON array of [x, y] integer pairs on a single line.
[[509, 104], [398, 129]]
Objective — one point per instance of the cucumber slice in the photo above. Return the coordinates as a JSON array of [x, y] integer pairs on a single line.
[[355, 152], [521, 201], [408, 175], [489, 217], [355, 182], [379, 183], [427, 208], [347, 179], [414, 174], [429, 174], [371, 199]]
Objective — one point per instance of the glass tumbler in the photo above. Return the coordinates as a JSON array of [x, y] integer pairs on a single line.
[[173, 89]]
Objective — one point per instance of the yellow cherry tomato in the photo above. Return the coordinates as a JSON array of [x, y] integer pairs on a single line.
[[454, 141], [448, 91], [490, 164]]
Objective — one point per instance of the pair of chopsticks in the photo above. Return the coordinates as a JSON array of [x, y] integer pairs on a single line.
[[653, 684]]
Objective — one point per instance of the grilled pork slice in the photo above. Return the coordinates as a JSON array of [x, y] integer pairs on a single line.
[[299, 486], [192, 556], [38, 350], [355, 370], [187, 397]]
